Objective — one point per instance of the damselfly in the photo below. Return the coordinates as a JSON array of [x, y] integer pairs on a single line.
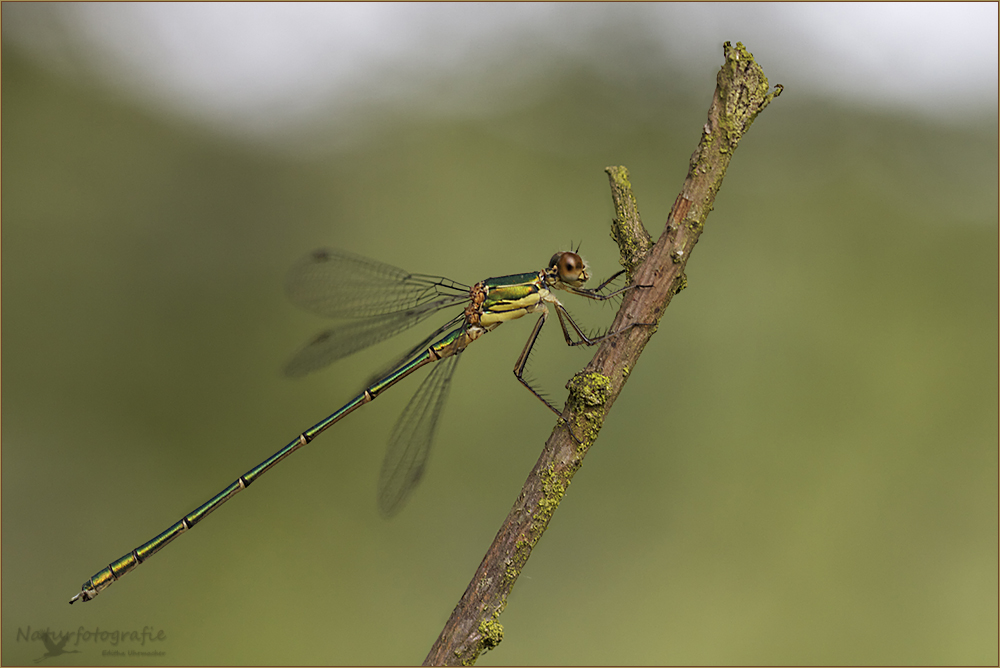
[[378, 301]]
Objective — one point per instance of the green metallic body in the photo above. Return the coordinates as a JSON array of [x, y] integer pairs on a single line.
[[499, 300]]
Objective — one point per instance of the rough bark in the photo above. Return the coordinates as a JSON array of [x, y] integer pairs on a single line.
[[741, 94]]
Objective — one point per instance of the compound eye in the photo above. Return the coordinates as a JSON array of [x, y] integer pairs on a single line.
[[570, 266]]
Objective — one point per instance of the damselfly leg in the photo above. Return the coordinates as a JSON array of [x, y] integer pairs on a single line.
[[376, 301]]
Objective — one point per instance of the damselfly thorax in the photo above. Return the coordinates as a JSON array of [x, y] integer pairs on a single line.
[[375, 301]]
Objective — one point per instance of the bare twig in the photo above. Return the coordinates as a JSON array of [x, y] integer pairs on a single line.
[[741, 93]]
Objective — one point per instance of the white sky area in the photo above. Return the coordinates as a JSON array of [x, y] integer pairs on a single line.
[[262, 68]]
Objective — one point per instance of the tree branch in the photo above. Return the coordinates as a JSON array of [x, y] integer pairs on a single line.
[[741, 93]]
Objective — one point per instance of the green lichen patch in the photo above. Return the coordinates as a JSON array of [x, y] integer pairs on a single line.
[[553, 490], [588, 396], [492, 634], [588, 391], [513, 566], [680, 282], [745, 100], [631, 237], [620, 176]]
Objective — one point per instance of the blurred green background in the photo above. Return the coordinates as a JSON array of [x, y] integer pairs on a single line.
[[801, 470]]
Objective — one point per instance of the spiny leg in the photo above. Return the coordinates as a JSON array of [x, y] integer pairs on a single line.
[[561, 311], [519, 370], [605, 283], [522, 361], [564, 315], [594, 293]]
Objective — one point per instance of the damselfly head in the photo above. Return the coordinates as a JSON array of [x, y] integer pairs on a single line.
[[569, 268]]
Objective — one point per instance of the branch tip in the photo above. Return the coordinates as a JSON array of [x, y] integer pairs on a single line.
[[740, 95], [627, 229]]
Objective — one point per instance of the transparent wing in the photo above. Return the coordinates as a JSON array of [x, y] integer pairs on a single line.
[[419, 348], [349, 337], [411, 439], [381, 300], [338, 284]]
